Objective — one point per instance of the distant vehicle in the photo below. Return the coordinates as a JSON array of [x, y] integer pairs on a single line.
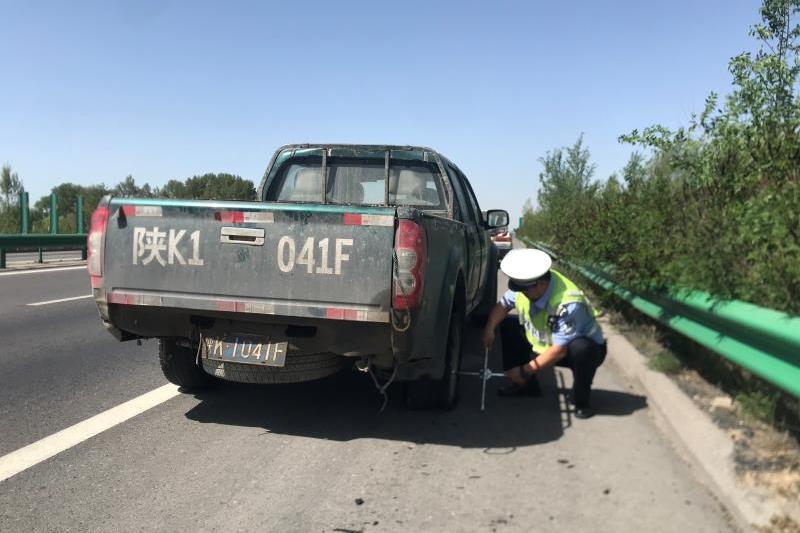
[[501, 238], [372, 254]]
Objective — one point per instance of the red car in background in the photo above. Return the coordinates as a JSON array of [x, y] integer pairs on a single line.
[[502, 242]]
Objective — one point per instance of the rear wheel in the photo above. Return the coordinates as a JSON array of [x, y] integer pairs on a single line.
[[179, 366], [299, 367], [440, 393]]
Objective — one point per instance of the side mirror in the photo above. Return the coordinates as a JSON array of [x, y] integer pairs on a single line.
[[496, 218]]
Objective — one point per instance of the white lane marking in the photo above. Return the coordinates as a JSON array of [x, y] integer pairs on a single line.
[[48, 260], [62, 300], [33, 454], [38, 270]]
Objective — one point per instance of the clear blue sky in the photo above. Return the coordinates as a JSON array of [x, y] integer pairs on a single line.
[[93, 91]]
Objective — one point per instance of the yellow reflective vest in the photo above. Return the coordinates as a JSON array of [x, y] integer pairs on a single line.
[[537, 329]]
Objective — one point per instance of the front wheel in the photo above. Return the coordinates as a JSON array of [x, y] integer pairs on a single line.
[[440, 393], [179, 366]]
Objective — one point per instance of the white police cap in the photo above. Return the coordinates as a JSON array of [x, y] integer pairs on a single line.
[[525, 266]]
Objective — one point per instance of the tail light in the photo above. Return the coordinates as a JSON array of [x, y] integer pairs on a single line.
[[411, 249], [94, 246], [502, 237]]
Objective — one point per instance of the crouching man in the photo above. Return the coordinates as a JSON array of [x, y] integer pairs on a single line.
[[556, 326]]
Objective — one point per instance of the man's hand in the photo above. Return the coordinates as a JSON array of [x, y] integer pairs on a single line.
[[516, 375], [488, 337], [498, 314]]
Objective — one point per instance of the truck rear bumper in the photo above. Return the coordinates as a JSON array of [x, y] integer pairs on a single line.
[[308, 335], [299, 309]]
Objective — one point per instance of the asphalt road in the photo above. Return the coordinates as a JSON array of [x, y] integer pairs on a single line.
[[317, 456]]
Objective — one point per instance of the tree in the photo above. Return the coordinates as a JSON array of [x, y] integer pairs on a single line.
[[735, 173], [10, 185], [67, 195], [565, 189], [211, 187], [129, 189], [635, 171], [567, 175], [173, 189]]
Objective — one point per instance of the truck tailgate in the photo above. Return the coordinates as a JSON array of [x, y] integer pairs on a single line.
[[328, 261]]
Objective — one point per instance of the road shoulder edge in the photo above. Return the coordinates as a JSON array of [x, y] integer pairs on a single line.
[[708, 448]]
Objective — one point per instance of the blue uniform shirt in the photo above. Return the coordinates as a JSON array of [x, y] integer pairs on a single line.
[[576, 321]]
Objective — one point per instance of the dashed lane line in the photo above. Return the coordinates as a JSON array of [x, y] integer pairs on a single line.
[[48, 302], [41, 450]]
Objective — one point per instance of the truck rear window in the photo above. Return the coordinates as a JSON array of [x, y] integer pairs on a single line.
[[359, 182]]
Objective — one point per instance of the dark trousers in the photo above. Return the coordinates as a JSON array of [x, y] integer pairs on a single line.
[[583, 357]]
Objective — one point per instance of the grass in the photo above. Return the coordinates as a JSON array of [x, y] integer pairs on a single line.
[[665, 362], [758, 405]]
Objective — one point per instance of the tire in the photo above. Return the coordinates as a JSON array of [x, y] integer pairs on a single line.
[[179, 367], [299, 367], [441, 393]]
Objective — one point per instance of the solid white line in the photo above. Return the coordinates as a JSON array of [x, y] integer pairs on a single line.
[[33, 454], [37, 270], [49, 260], [62, 300]]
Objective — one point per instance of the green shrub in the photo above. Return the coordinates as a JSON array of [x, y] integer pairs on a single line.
[[758, 405], [665, 362], [715, 206]]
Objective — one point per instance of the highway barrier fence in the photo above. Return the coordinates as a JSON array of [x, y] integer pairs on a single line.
[[24, 240], [763, 341]]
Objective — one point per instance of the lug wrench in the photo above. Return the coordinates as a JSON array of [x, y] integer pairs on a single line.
[[485, 374]]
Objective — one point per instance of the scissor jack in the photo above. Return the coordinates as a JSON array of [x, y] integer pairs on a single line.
[[485, 374]]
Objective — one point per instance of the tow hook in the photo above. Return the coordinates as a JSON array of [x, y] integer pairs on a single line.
[[362, 365]]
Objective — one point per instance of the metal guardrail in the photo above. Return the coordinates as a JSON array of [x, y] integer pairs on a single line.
[[41, 241], [763, 341]]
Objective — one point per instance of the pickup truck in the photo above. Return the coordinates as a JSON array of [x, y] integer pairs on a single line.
[[372, 254]]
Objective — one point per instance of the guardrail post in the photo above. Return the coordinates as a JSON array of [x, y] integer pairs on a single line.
[[79, 223], [24, 215], [2, 257], [79, 214], [40, 256], [53, 214]]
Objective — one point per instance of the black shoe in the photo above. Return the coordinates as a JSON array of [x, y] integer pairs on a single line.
[[531, 388], [584, 411]]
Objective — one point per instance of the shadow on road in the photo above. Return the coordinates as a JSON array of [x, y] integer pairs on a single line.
[[346, 406], [615, 403]]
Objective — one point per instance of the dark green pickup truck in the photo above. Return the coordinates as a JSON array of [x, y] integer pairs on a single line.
[[372, 254]]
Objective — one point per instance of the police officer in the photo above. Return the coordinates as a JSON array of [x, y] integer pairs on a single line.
[[556, 326]]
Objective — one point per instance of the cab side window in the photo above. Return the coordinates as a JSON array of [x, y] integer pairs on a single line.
[[461, 208], [472, 213], [473, 201]]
